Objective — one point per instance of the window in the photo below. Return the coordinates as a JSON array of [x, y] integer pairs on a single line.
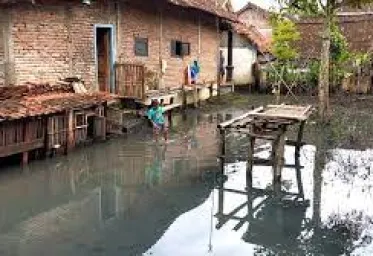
[[80, 120], [141, 47], [179, 49]]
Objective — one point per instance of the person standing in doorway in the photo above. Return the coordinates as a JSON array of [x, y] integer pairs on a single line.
[[221, 66], [156, 116]]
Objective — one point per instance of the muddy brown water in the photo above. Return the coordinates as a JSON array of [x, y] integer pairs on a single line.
[[130, 196]]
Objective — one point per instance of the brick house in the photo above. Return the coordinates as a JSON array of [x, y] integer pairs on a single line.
[[42, 41], [357, 27]]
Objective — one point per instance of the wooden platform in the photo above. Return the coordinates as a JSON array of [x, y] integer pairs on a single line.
[[268, 123], [287, 114]]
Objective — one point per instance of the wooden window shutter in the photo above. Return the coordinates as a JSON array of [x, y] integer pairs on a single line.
[[185, 49]]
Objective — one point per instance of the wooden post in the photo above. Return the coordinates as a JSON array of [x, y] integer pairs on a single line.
[[299, 139], [104, 121], [278, 148], [211, 90], [184, 97], [169, 117], [250, 162], [25, 155], [222, 149], [195, 96], [220, 213], [230, 57], [70, 131], [299, 176], [221, 178]]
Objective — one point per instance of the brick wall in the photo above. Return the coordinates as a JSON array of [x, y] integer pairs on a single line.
[[2, 47], [56, 41], [177, 24], [358, 31], [51, 42]]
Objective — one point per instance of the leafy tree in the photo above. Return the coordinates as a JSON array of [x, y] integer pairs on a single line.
[[327, 9], [285, 34]]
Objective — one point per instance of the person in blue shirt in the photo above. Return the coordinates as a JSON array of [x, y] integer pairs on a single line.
[[194, 71], [156, 116]]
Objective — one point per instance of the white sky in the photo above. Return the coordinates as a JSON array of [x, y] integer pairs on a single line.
[[238, 4]]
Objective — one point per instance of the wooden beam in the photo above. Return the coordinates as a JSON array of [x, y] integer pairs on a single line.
[[229, 122], [21, 147]]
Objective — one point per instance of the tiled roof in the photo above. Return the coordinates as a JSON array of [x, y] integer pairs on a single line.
[[30, 89], [51, 102], [209, 6], [255, 7], [253, 35]]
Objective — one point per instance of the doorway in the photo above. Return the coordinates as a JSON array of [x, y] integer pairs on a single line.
[[91, 127], [104, 57]]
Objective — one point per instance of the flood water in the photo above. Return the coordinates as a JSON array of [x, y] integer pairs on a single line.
[[130, 196]]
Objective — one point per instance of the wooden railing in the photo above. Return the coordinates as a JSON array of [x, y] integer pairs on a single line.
[[21, 136], [130, 80]]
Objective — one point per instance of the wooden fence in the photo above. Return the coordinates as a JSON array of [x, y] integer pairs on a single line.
[[21, 135], [130, 80]]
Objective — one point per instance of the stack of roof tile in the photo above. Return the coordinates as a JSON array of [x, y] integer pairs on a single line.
[[253, 35], [18, 102]]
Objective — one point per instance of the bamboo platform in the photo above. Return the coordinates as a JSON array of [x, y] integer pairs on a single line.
[[268, 123]]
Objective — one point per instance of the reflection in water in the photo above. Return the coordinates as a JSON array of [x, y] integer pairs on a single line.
[[275, 214], [114, 198], [133, 197], [249, 218]]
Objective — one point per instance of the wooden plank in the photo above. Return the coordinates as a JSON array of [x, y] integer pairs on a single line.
[[257, 135], [21, 147], [230, 122], [244, 122], [172, 106], [274, 111], [278, 115]]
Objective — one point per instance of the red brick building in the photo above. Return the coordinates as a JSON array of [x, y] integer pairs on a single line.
[[44, 40]]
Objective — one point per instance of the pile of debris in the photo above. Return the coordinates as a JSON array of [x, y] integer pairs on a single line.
[[31, 89], [68, 85], [42, 99]]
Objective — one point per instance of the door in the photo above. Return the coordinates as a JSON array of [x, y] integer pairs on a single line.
[[104, 57]]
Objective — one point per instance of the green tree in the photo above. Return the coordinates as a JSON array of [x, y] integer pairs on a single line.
[[327, 9], [285, 34]]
